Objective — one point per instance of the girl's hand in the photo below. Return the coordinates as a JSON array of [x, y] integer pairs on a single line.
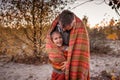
[[63, 65]]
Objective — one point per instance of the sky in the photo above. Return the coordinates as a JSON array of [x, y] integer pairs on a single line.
[[94, 11]]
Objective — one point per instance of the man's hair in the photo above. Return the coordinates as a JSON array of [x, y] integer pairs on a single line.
[[66, 18]]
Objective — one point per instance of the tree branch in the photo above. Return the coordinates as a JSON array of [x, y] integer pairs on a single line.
[[117, 11], [16, 37], [101, 2], [26, 33], [82, 3]]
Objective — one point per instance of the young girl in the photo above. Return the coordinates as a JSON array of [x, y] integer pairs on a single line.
[[58, 68]]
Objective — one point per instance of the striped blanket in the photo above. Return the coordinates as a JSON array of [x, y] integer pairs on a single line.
[[77, 67], [56, 55]]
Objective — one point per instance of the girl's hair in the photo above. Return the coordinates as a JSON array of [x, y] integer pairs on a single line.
[[53, 32]]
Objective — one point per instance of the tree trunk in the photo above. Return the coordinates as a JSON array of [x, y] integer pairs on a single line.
[[34, 31]]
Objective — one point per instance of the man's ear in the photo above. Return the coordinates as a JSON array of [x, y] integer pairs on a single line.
[[74, 20], [60, 24]]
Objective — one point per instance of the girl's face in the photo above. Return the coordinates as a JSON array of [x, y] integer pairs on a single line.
[[57, 39]]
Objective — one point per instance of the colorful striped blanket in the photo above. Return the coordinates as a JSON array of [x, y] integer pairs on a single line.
[[56, 55], [77, 67]]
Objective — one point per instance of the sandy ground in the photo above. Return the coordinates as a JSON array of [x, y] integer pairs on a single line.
[[99, 63], [16, 71]]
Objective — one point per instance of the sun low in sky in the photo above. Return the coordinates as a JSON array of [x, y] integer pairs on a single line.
[[95, 12]]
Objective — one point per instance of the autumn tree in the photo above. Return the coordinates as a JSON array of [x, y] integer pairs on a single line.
[[27, 13]]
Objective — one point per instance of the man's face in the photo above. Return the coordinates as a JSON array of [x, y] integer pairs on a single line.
[[68, 27]]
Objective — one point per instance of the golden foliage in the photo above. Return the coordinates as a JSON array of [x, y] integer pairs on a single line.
[[112, 22], [113, 77], [19, 43], [112, 36]]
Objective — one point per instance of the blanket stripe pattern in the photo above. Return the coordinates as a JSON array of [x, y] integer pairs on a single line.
[[78, 53]]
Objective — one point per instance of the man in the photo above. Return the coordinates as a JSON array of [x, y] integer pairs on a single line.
[[76, 37], [77, 67]]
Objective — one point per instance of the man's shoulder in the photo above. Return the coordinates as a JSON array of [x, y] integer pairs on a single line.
[[79, 25]]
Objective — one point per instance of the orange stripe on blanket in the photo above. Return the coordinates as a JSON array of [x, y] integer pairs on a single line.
[[79, 63], [79, 41]]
